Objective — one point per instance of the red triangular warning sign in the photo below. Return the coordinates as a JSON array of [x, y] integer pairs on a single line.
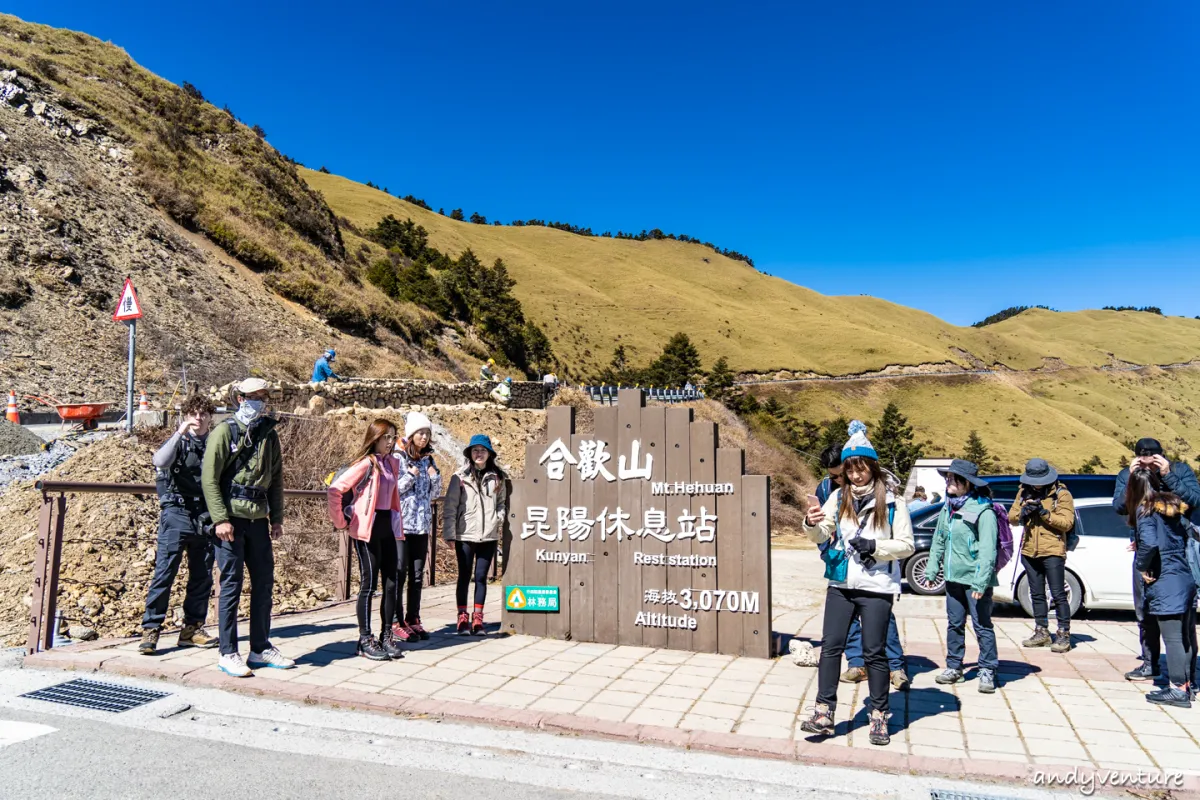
[[128, 306]]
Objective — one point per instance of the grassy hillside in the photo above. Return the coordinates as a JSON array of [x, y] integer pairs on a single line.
[[589, 293], [1066, 417]]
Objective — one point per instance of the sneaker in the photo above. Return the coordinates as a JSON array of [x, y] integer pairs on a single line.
[[879, 733], [464, 622], [270, 658], [854, 675], [232, 664], [987, 681], [1040, 638], [949, 675], [1062, 642], [195, 636], [820, 722], [149, 644], [390, 645], [1171, 696], [370, 648], [899, 679], [1143, 673], [477, 624], [403, 633], [416, 627]]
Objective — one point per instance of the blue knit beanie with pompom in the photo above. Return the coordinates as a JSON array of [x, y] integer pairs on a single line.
[[858, 444]]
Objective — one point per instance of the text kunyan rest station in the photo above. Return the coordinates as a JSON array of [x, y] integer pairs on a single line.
[[646, 533]]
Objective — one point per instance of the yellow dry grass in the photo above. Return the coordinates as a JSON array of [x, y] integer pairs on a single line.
[[590, 294]]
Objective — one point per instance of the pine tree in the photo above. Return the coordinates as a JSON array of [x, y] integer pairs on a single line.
[[894, 443], [678, 364], [977, 451], [457, 214], [720, 380]]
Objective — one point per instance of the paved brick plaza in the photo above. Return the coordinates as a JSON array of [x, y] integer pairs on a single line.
[[1051, 710]]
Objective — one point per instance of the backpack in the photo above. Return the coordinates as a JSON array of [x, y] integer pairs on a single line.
[[349, 497], [1004, 536], [1072, 535], [1192, 548]]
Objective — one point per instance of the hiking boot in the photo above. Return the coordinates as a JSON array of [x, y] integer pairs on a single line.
[[1143, 673], [1040, 638], [271, 658], [477, 624], [464, 622], [370, 648], [820, 722], [232, 664], [854, 675], [1062, 642], [390, 645], [899, 679], [949, 675], [879, 733], [149, 644], [195, 636], [1171, 696], [416, 627], [403, 633], [987, 681]]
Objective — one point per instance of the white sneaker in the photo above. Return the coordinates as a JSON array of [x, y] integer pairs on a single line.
[[232, 664], [270, 658]]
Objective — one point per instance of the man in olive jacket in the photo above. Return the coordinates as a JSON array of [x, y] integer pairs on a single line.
[[242, 479]]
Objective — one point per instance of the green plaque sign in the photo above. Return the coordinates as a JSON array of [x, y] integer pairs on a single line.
[[531, 598]]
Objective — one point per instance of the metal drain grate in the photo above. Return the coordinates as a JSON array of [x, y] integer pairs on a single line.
[[84, 693], [943, 794]]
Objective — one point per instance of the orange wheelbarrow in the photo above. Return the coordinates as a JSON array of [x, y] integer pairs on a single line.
[[86, 415]]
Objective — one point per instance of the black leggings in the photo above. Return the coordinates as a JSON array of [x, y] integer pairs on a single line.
[[1038, 572], [412, 554], [477, 555], [1179, 635], [375, 557], [874, 611]]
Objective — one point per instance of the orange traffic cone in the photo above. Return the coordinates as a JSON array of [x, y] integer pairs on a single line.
[[143, 404], [12, 414]]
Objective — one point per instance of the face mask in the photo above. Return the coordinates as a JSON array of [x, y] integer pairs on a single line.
[[250, 410]]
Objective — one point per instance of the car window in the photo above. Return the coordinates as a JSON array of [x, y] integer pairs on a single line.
[[929, 521], [1103, 521], [1004, 491]]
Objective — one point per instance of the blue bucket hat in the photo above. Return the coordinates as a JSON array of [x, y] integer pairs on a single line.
[[478, 440]]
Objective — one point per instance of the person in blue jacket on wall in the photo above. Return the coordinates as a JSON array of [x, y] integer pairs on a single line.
[[322, 369]]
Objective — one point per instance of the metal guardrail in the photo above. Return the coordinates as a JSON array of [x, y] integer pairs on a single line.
[[52, 520], [607, 395]]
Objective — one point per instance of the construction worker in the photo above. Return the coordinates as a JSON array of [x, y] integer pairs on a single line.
[[486, 373], [183, 525], [502, 394], [322, 369], [243, 488]]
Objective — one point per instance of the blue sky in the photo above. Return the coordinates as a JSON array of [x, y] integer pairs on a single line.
[[957, 157]]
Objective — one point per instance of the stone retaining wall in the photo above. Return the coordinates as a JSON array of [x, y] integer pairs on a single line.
[[381, 393]]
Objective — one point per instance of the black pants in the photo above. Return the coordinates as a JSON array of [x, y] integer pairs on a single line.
[[411, 555], [178, 532], [474, 559], [1148, 631], [1179, 635], [250, 551], [874, 611], [1039, 572], [378, 556]]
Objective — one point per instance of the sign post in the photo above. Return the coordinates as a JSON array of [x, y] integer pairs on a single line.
[[646, 532], [129, 311]]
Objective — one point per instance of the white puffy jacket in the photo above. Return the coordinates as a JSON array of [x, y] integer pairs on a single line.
[[891, 544]]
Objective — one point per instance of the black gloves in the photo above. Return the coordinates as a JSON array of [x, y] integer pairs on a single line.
[[865, 548]]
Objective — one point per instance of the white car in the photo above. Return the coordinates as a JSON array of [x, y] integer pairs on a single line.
[[1099, 569]]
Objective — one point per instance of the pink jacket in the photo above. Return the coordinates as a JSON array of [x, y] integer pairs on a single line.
[[363, 514]]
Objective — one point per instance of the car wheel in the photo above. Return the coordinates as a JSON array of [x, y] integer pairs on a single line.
[[918, 581], [1074, 594]]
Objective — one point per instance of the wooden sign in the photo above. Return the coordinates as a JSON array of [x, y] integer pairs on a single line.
[[650, 531]]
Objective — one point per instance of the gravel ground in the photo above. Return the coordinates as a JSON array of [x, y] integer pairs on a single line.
[[16, 441], [18, 468]]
